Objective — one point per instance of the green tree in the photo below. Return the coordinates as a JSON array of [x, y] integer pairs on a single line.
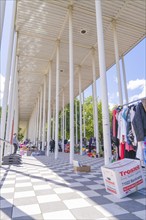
[[20, 134]]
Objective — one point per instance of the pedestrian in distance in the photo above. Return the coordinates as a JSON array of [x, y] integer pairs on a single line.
[[15, 143]]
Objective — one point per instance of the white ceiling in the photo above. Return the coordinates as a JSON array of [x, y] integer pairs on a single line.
[[41, 22]]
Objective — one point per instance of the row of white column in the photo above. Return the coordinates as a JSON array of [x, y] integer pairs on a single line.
[[37, 122]]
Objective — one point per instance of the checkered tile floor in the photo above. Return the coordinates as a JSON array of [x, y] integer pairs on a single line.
[[45, 189]]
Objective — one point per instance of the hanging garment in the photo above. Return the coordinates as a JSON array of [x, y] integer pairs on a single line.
[[139, 152], [139, 122], [121, 126], [122, 150], [132, 114], [129, 151], [114, 128]]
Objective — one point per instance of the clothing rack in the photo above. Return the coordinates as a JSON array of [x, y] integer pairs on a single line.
[[133, 101]]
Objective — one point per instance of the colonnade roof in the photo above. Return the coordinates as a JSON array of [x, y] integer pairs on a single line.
[[41, 23]]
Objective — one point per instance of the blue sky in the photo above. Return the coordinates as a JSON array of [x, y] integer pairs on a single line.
[[135, 73]]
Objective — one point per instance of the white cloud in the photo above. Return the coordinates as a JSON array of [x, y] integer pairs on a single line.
[[2, 83], [138, 83], [117, 94]]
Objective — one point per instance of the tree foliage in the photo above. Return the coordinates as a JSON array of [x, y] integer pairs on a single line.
[[89, 121]]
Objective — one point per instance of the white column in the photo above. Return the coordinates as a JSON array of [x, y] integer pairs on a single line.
[[76, 105], [84, 120], [2, 13], [125, 81], [57, 99], [95, 101], [37, 126], [44, 114], [13, 66], [6, 56], [80, 103], [16, 107], [37, 122], [103, 80], [71, 85], [13, 103], [117, 63], [63, 121], [61, 125], [49, 108], [40, 121], [93, 111], [53, 123]]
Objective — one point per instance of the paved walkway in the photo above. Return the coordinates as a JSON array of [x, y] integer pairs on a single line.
[[42, 188]]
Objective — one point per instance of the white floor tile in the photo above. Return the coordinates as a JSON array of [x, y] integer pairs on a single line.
[[60, 215], [35, 180], [142, 201], [63, 190], [23, 184], [10, 177], [75, 184], [8, 182], [41, 187], [82, 180], [141, 214], [111, 210], [24, 194], [4, 216], [76, 203], [48, 198], [26, 210], [88, 193], [95, 187], [6, 190], [116, 199], [23, 178]]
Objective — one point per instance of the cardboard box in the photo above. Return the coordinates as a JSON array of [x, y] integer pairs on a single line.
[[123, 177], [83, 168], [80, 168]]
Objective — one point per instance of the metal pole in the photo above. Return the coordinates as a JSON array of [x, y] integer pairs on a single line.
[[44, 115], [49, 108], [103, 80], [63, 121], [117, 63], [13, 66], [125, 81], [80, 94], [71, 77], [95, 101], [57, 100]]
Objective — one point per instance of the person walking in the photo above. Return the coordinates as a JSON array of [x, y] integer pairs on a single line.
[[15, 143]]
